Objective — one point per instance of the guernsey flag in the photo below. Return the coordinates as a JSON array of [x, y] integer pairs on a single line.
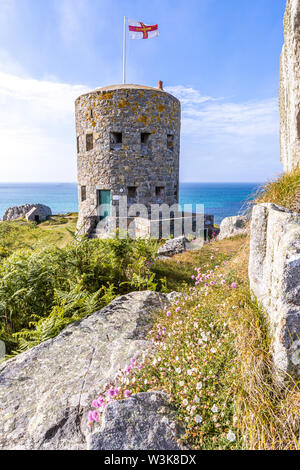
[[139, 30]]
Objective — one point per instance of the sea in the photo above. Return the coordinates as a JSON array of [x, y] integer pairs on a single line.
[[219, 199]]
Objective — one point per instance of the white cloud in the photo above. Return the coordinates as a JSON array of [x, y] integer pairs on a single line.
[[37, 132], [204, 116], [37, 129]]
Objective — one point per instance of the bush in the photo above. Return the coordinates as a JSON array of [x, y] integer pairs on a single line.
[[44, 290]]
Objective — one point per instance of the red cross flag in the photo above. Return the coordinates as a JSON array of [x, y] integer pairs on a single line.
[[139, 30]]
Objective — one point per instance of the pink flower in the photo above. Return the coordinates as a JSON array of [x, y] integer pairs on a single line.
[[111, 393], [90, 417], [223, 282], [234, 285], [127, 393], [197, 283], [132, 361], [177, 309], [95, 416], [193, 277], [128, 369], [212, 283], [168, 314], [95, 404]]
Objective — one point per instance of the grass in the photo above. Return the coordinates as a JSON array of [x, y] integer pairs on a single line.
[[282, 191], [19, 234]]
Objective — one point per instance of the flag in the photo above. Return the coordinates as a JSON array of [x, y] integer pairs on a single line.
[[139, 30]]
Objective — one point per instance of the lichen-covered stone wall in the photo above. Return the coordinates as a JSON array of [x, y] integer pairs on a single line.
[[148, 156], [274, 273], [289, 91]]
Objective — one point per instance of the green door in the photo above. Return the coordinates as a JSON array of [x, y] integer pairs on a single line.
[[104, 198]]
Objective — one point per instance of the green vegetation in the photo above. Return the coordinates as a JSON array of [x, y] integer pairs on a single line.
[[282, 191], [44, 289], [56, 231]]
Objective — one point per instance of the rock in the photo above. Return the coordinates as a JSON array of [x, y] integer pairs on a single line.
[[46, 392], [274, 273], [142, 422], [172, 247], [289, 91], [232, 226], [28, 211]]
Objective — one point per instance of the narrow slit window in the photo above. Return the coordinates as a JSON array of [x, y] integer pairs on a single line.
[[78, 144], [145, 137], [132, 194], [89, 142], [170, 141], [160, 193], [83, 193], [116, 139], [176, 192]]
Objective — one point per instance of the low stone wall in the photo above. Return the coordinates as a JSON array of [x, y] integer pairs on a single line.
[[274, 273]]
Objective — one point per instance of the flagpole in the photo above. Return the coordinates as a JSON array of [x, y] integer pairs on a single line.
[[124, 52]]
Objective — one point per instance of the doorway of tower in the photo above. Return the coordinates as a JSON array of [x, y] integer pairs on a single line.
[[103, 197]]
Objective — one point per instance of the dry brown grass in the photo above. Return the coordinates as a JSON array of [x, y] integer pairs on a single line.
[[268, 411]]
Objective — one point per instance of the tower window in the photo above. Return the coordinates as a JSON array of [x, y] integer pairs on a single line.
[[160, 192], [78, 144], [89, 142], [176, 192], [145, 136], [116, 139], [170, 141], [132, 194], [83, 193], [145, 139]]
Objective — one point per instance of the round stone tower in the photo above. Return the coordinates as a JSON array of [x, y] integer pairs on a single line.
[[128, 143]]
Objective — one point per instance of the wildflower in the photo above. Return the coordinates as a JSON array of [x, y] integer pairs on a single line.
[[212, 283], [234, 285], [132, 361], [185, 402], [198, 419], [181, 384], [90, 417], [168, 314], [95, 416], [215, 409], [127, 393], [231, 437], [178, 371], [95, 404], [199, 385], [213, 350], [190, 372], [196, 399], [111, 393], [177, 310]]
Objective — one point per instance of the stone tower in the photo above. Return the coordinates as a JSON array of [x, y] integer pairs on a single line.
[[128, 143]]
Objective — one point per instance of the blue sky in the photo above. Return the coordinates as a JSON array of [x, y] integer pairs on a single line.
[[220, 57]]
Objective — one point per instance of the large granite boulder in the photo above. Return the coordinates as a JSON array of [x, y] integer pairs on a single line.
[[274, 272], [46, 392], [29, 211], [142, 422], [172, 247], [289, 92], [232, 226]]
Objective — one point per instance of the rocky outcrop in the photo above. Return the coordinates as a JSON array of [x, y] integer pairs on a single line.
[[232, 226], [289, 92], [143, 422], [28, 211], [274, 272], [172, 247], [46, 392]]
